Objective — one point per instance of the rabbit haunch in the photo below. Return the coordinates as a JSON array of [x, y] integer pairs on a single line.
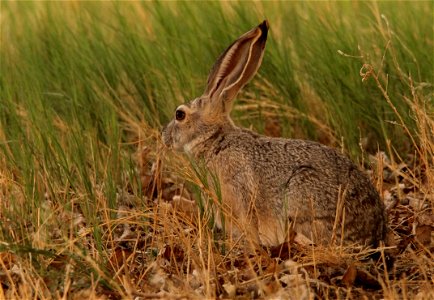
[[271, 186]]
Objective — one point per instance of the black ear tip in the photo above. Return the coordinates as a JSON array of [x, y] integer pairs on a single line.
[[264, 26]]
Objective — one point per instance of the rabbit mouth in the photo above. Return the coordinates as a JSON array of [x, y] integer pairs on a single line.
[[167, 138], [168, 146], [167, 141], [171, 142]]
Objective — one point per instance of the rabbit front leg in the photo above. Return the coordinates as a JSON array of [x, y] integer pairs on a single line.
[[239, 215]]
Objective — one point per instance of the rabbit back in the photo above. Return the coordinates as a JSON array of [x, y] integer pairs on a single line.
[[287, 181]]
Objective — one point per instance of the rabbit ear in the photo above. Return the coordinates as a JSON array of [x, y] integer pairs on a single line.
[[236, 66]]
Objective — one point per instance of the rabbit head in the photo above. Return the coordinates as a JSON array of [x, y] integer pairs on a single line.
[[196, 121]]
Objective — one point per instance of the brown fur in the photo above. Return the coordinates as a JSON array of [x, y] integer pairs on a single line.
[[270, 186]]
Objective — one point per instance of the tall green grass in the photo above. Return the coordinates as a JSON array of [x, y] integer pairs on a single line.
[[82, 84], [80, 63]]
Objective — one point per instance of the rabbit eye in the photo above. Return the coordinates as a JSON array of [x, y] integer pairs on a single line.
[[179, 115]]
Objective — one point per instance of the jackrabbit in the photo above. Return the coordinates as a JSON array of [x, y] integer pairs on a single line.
[[272, 185]]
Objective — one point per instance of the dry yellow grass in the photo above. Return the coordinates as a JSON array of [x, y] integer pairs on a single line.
[[155, 250], [67, 231]]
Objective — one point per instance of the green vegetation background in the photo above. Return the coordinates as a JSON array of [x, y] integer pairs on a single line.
[[82, 83]]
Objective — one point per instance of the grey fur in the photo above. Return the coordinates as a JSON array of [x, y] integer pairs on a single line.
[[270, 185]]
